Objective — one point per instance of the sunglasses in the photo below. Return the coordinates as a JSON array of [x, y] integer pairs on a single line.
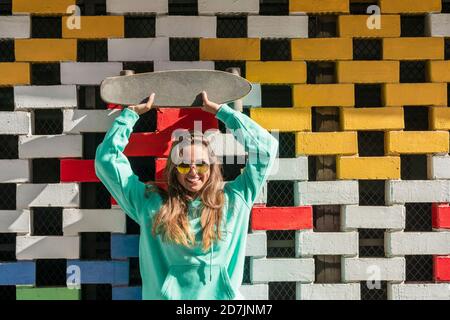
[[201, 168]]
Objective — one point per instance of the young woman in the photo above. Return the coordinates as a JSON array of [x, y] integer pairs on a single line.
[[193, 235]]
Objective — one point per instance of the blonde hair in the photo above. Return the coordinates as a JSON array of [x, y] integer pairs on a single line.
[[172, 220]]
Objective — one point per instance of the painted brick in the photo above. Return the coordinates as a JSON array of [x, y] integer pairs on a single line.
[[277, 26], [124, 246], [255, 291], [137, 6], [175, 26], [47, 293], [182, 65], [14, 171], [95, 27], [411, 48], [211, 7], [256, 244], [309, 243], [411, 6], [14, 73], [14, 221], [438, 167], [17, 273], [298, 169], [372, 217], [93, 220], [283, 119], [368, 71], [127, 293], [438, 71], [367, 168], [416, 142], [47, 247], [326, 6], [37, 50], [144, 49], [437, 24], [45, 97], [326, 143], [77, 121], [357, 26], [441, 268], [322, 49], [440, 216], [371, 269], [417, 243], [387, 118], [93, 272], [281, 218], [326, 192], [414, 94], [44, 195], [281, 269], [88, 73], [51, 146], [77, 170], [416, 291], [328, 291], [15, 123], [15, 27], [439, 118], [324, 95], [406, 191], [230, 49], [41, 7], [276, 72]]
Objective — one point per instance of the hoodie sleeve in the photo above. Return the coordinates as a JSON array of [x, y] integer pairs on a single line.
[[113, 168], [261, 148]]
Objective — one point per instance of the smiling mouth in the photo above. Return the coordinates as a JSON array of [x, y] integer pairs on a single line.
[[193, 180]]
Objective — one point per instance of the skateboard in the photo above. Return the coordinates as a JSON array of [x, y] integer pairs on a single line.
[[176, 88]]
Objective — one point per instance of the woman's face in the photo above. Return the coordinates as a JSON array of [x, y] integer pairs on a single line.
[[193, 181]]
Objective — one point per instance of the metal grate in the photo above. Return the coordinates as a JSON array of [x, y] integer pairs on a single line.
[[184, 49], [413, 167], [47, 221], [275, 50], [138, 66], [9, 147], [321, 72], [412, 71], [276, 96], [141, 26], [231, 27], [134, 272], [95, 246], [286, 145], [46, 170], [280, 243], [89, 98], [92, 51], [371, 143], [183, 7], [282, 290], [102, 292], [246, 277], [51, 272], [7, 50], [371, 192], [143, 167], [46, 27], [445, 6], [418, 217], [94, 195], [232, 170], [224, 65], [280, 193], [92, 7], [146, 122], [361, 7], [45, 74], [48, 122], [91, 140], [371, 242], [7, 293], [447, 48], [322, 26], [274, 7], [448, 94], [7, 99], [132, 226], [368, 96], [412, 26], [325, 119], [367, 49], [373, 293], [7, 245], [419, 268], [6, 8], [321, 168], [416, 118]]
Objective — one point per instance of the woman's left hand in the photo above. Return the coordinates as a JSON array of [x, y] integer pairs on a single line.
[[209, 106]]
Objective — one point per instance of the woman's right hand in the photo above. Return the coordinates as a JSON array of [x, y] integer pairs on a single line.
[[143, 107]]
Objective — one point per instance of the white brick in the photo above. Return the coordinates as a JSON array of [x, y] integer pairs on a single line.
[[83, 220], [438, 167], [88, 73], [255, 291], [17, 122], [14, 171], [143, 49], [224, 144], [298, 169], [417, 243], [45, 97], [262, 196], [424, 291], [182, 65], [42, 195], [278, 27], [281, 269], [309, 243], [235, 6], [77, 121], [326, 192], [373, 269], [372, 217], [175, 26], [137, 6], [438, 25], [15, 27], [404, 191], [256, 244], [328, 291], [52, 146], [15, 221], [47, 247]]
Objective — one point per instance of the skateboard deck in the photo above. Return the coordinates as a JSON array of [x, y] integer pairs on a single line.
[[176, 88]]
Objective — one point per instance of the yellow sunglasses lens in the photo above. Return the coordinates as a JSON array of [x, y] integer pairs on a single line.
[[202, 168], [199, 168], [183, 168]]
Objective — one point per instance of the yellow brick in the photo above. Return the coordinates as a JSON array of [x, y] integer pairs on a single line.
[[353, 119], [439, 118], [41, 6], [95, 27], [368, 168], [413, 48], [415, 94], [439, 71], [326, 143], [322, 49], [276, 72], [14, 73], [323, 6], [324, 95], [410, 6], [283, 119], [416, 142], [41, 50], [229, 49], [356, 26], [368, 71]]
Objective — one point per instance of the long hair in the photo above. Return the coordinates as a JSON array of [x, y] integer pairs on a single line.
[[172, 219]]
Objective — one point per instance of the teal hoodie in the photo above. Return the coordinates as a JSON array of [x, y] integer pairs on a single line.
[[169, 270]]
